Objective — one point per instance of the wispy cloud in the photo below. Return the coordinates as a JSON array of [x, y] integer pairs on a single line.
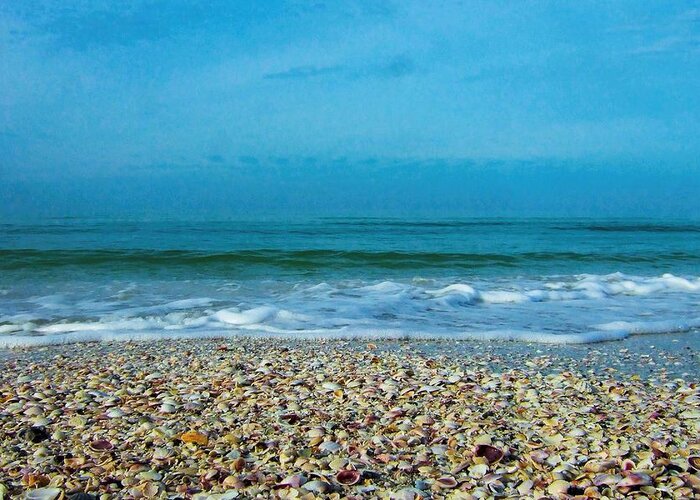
[[676, 33], [670, 44], [216, 158], [690, 15], [305, 72], [86, 25], [81, 25], [393, 67]]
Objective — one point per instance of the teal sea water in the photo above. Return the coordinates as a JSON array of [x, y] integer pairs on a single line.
[[538, 280]]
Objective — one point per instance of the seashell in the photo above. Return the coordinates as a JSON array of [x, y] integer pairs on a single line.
[[228, 495], [525, 487], [565, 471], [591, 492], [605, 479], [384, 458], [293, 481], [338, 464], [694, 461], [317, 486], [404, 466], [150, 489], [409, 494], [238, 464], [599, 465], [44, 494], [496, 487], [395, 412], [162, 453], [149, 475], [331, 386], [329, 447], [539, 456], [692, 481], [39, 480], [421, 485], [74, 462], [634, 479], [290, 418], [459, 468], [690, 415], [56, 482], [101, 445], [167, 408], [439, 449], [429, 389], [558, 487], [446, 482], [424, 420], [115, 413], [627, 464], [194, 437], [34, 411], [478, 470], [490, 453], [316, 432], [483, 439], [233, 482], [348, 477]]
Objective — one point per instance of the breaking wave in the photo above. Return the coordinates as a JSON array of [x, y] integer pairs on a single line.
[[564, 309]]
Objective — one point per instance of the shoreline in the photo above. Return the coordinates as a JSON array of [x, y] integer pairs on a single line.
[[337, 419], [671, 355]]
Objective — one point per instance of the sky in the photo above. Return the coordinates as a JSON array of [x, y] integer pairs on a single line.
[[225, 107]]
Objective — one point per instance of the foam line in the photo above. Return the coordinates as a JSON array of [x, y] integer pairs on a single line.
[[606, 333]]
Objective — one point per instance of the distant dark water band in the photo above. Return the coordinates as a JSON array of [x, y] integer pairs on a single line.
[[344, 226], [317, 259]]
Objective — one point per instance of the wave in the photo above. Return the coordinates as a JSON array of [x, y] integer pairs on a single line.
[[608, 333], [319, 259], [574, 309], [641, 228]]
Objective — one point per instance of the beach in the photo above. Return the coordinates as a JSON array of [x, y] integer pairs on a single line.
[[350, 358], [247, 418], [392, 250]]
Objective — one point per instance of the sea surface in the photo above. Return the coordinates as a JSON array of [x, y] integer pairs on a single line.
[[533, 280]]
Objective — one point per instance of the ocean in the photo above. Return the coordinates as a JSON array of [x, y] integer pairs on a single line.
[[533, 280]]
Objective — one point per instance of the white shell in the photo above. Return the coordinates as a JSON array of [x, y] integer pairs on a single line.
[[43, 494]]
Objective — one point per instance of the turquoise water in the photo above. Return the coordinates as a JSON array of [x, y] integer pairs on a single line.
[[547, 280]]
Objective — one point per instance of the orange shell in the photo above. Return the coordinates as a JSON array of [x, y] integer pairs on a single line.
[[194, 437]]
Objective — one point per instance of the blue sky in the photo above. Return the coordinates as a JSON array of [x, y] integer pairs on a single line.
[[229, 106]]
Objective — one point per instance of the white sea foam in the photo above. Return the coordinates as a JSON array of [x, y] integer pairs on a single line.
[[188, 303], [651, 327], [250, 317], [128, 325], [9, 328], [577, 309], [593, 336]]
